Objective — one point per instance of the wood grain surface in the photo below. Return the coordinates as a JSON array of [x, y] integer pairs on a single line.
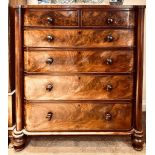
[[78, 87], [108, 18], [77, 116], [19, 69], [79, 61], [59, 18], [87, 96], [78, 38]]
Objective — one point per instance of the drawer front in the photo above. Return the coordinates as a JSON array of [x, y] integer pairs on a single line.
[[108, 18], [51, 18], [78, 38], [82, 87], [78, 61], [77, 116]]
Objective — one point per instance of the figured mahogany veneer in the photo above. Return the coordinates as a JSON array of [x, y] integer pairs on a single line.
[[79, 61], [51, 18], [79, 71], [78, 38], [78, 87], [77, 116], [108, 18]]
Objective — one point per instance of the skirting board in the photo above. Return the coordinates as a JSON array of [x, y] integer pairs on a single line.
[[144, 105], [11, 108]]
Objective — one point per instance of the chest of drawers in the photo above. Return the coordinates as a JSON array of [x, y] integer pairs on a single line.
[[79, 71]]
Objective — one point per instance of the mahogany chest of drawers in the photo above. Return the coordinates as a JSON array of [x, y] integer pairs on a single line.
[[79, 71]]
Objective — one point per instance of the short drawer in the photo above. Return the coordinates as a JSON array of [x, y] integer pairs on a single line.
[[79, 61], [108, 18], [74, 87], [51, 18], [78, 38], [77, 116]]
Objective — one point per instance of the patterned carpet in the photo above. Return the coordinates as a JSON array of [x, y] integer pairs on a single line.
[[79, 145]]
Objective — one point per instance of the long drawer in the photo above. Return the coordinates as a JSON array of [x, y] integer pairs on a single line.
[[77, 116], [78, 38], [84, 87], [78, 61], [51, 18]]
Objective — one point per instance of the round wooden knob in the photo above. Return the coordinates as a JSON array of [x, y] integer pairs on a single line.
[[49, 38], [49, 116], [109, 87], [109, 38], [49, 61], [49, 87], [49, 20], [110, 20], [109, 61], [108, 117]]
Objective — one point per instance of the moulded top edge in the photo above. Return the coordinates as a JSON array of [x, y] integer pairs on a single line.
[[76, 5]]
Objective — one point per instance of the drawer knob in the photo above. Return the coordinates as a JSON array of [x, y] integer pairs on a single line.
[[109, 87], [49, 61], [110, 20], [109, 61], [108, 117], [49, 116], [49, 87], [109, 38], [49, 20], [49, 38]]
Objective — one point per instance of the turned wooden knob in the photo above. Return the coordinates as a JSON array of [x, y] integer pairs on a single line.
[[108, 117], [49, 87], [109, 87], [49, 61], [109, 61], [49, 20], [110, 20], [109, 38], [49, 116], [50, 38]]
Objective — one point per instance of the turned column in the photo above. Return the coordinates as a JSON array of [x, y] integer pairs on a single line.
[[18, 135], [137, 137]]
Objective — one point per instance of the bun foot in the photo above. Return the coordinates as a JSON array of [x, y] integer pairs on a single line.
[[19, 144], [137, 140], [18, 140]]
